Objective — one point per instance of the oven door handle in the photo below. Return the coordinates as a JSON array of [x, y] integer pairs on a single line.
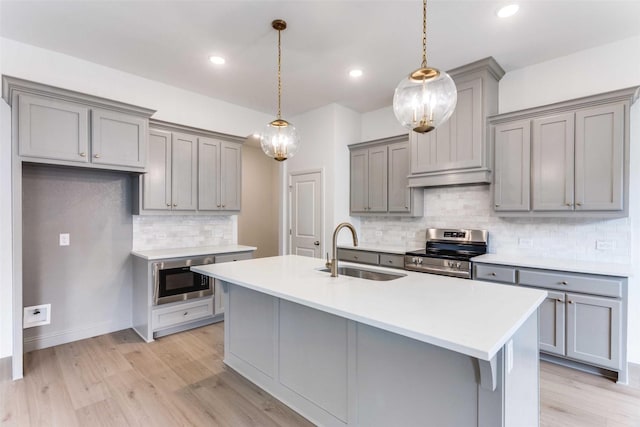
[[460, 273]]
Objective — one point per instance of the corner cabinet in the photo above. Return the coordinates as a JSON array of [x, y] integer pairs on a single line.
[[190, 170], [378, 179], [565, 159], [457, 152], [61, 127], [583, 319]]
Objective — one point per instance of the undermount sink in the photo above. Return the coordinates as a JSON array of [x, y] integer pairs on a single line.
[[362, 273]]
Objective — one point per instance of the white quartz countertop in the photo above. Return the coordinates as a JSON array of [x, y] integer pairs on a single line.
[[154, 254], [381, 247], [466, 316], [589, 267]]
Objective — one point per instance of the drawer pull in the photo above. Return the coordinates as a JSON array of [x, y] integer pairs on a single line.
[[492, 274], [185, 313], [390, 261], [355, 257], [564, 282]]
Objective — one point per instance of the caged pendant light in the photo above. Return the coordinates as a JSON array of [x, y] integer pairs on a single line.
[[279, 139], [427, 97]]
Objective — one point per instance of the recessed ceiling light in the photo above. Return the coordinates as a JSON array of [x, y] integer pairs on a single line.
[[508, 11], [355, 73], [218, 60]]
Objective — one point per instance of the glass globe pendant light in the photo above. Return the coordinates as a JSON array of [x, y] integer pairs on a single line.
[[279, 139], [427, 97]]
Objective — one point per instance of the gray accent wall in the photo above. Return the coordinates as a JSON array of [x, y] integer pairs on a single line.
[[89, 282]]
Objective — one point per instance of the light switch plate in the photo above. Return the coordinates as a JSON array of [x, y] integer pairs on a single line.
[[605, 245], [65, 240], [36, 315]]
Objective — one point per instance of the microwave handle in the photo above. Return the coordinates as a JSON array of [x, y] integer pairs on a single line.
[[156, 281]]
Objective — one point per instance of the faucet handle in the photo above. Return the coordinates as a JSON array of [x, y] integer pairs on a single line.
[[328, 263]]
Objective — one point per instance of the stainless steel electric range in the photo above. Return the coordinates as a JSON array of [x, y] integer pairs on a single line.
[[448, 252]]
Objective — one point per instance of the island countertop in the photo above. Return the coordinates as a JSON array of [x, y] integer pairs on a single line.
[[466, 316]]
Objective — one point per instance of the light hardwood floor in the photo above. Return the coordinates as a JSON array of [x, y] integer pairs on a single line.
[[180, 380]]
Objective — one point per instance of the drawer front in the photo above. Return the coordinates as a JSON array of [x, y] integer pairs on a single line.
[[358, 256], [597, 285], [388, 260], [495, 273], [165, 317], [233, 257]]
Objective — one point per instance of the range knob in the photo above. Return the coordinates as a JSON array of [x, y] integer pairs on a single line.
[[419, 261]]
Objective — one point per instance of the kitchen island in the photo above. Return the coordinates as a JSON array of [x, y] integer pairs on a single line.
[[418, 350]]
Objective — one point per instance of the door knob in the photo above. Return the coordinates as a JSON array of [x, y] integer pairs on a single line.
[[316, 243]]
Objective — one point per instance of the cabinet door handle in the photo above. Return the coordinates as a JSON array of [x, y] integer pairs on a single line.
[[578, 204], [497, 205], [570, 302], [559, 300], [316, 243], [97, 156], [83, 154], [175, 204], [569, 204], [224, 206], [218, 206], [168, 205]]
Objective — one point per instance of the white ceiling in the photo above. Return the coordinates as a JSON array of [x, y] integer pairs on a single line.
[[170, 41]]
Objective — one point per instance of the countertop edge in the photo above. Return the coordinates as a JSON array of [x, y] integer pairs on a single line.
[[155, 254]]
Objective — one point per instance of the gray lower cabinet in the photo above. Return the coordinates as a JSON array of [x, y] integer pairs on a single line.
[[383, 259], [583, 317], [578, 158], [378, 179], [189, 170], [57, 126], [457, 151]]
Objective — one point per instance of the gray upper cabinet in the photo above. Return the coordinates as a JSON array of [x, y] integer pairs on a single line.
[[219, 175], [52, 129], [399, 195], [118, 139], [600, 146], [457, 152], [157, 182], [579, 157], [190, 170], [184, 172], [512, 166], [171, 182], [378, 179], [61, 127], [553, 159]]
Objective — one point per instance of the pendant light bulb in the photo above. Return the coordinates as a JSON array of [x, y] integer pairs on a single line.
[[279, 139], [427, 97]]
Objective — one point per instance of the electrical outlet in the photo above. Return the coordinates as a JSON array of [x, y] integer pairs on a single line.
[[525, 242], [36, 315], [65, 240], [605, 245]]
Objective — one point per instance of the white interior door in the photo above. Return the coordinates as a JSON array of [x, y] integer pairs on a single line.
[[305, 232]]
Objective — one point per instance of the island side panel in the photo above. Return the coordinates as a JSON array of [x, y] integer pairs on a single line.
[[404, 382], [251, 335], [141, 298], [522, 376]]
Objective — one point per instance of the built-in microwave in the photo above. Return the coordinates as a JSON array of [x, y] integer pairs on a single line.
[[174, 280]]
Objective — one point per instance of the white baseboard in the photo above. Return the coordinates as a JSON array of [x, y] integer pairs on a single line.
[[70, 335]]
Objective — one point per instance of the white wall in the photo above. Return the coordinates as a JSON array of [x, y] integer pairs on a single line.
[[347, 131], [588, 72], [56, 69], [380, 123]]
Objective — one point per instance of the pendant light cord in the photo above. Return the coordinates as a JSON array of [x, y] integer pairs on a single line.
[[279, 77], [424, 33]]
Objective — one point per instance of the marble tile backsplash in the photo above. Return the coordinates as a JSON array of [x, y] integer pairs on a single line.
[[163, 232], [469, 207]]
